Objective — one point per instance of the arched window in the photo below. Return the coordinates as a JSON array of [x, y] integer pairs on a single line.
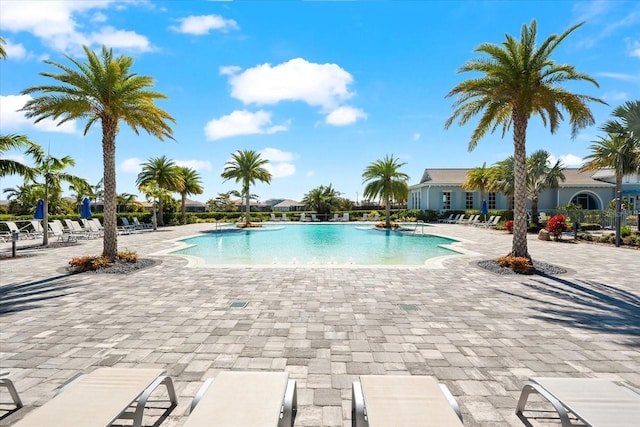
[[587, 201]]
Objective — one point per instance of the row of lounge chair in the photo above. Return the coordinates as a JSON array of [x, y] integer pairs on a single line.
[[269, 399], [471, 220]]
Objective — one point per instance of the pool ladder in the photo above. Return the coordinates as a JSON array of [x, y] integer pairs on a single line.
[[421, 224]]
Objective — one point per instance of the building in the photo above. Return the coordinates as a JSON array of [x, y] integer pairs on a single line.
[[441, 190]]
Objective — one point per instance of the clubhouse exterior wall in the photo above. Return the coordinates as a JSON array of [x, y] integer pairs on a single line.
[[435, 183]]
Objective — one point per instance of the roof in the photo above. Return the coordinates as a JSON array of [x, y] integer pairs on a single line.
[[288, 203], [457, 176]]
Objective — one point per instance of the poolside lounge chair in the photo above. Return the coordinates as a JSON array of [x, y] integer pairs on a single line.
[[8, 384], [60, 233], [402, 400], [145, 226], [376, 217], [365, 217], [483, 223], [272, 217], [345, 217], [80, 231], [314, 218], [336, 217], [454, 219], [38, 231], [22, 233], [92, 226], [493, 223], [100, 398], [256, 399], [594, 401], [284, 217], [449, 218], [303, 217], [126, 227]]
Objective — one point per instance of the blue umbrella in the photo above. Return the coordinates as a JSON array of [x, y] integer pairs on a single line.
[[86, 208], [39, 210], [484, 209]]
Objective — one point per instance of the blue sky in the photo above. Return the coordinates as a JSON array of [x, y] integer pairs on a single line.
[[321, 88]]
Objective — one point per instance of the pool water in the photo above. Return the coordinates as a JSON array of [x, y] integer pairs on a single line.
[[320, 244]]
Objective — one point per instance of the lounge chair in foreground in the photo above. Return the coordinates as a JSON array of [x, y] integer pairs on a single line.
[[596, 402], [8, 384], [239, 399], [402, 400], [60, 233], [100, 398], [23, 234]]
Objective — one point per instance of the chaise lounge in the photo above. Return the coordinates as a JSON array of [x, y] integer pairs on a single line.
[[8, 384], [402, 400], [594, 401], [239, 399], [100, 398]]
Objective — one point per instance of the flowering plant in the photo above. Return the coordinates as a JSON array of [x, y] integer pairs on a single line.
[[557, 225], [509, 225]]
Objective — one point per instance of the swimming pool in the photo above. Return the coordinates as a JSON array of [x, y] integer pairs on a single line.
[[316, 244]]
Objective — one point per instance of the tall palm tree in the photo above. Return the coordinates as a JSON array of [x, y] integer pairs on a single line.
[[246, 167], [153, 193], [14, 167], [540, 177], [23, 198], [191, 184], [626, 116], [165, 173], [102, 89], [519, 79], [384, 180], [479, 179], [49, 176]]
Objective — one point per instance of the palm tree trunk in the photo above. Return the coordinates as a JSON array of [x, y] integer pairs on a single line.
[[110, 221], [45, 217], [534, 211], [247, 215], [519, 246], [618, 208], [184, 208], [387, 211]]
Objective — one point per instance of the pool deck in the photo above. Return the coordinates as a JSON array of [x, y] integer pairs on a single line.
[[480, 333]]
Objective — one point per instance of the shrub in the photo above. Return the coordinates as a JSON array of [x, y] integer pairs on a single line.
[[92, 263], [509, 225], [625, 231], [557, 225], [518, 264], [590, 226], [630, 240]]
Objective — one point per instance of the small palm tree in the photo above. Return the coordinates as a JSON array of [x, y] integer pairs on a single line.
[[519, 79], [322, 199], [383, 179], [540, 177], [105, 90], [153, 193], [479, 179], [246, 167], [49, 176], [191, 184], [165, 173], [14, 167], [23, 198]]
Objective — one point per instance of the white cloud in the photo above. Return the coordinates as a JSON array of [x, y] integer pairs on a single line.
[[229, 70], [323, 85], [345, 115], [15, 51], [112, 37], [195, 164], [280, 170], [99, 17], [203, 24], [60, 24], [242, 123], [568, 160], [310, 173], [275, 155], [634, 49], [13, 120], [615, 96], [416, 136], [132, 165], [619, 76]]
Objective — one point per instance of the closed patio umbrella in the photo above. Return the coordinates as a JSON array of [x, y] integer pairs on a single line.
[[39, 214], [86, 208], [484, 209]]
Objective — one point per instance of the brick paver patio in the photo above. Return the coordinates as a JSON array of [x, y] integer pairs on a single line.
[[479, 333]]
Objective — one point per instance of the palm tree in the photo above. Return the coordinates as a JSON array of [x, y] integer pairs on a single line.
[[246, 167], [153, 193], [616, 151], [14, 167], [322, 199], [540, 177], [629, 119], [102, 89], [165, 173], [519, 80], [191, 184], [3, 53], [384, 180], [50, 171], [125, 200], [479, 179], [222, 203], [23, 198]]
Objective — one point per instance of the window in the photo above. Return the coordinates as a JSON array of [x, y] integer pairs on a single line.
[[446, 200], [492, 201], [468, 200], [587, 201]]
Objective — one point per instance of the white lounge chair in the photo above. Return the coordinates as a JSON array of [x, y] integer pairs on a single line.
[[272, 217], [100, 398], [23, 234], [60, 233], [594, 401], [239, 399], [80, 231], [365, 217], [140, 225], [314, 218], [376, 217], [449, 218], [403, 400], [126, 227], [303, 217], [91, 225], [495, 221], [38, 231], [11, 388], [484, 223], [345, 217], [336, 217], [284, 217]]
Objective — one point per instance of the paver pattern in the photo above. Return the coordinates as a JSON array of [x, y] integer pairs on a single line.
[[480, 333]]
